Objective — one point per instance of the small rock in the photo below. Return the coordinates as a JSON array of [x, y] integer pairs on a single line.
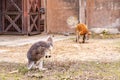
[[66, 34]]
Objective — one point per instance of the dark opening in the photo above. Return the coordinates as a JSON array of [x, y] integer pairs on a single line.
[[0, 15], [12, 21]]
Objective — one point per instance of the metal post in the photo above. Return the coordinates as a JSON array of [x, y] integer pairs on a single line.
[[85, 7], [79, 11], [45, 21]]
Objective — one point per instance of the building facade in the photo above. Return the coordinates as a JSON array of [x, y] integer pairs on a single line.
[[94, 13], [24, 16]]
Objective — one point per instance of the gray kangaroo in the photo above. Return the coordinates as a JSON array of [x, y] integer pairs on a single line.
[[37, 52]]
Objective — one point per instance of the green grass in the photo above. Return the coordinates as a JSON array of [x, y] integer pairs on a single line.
[[76, 70], [22, 70], [105, 36], [117, 46], [64, 71]]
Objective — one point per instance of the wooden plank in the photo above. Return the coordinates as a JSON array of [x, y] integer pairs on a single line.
[[33, 33], [15, 33], [23, 13], [15, 5], [23, 29], [34, 13], [11, 4], [8, 5], [25, 17], [13, 23], [10, 25], [12, 13], [34, 22], [28, 17], [33, 5], [8, 14]]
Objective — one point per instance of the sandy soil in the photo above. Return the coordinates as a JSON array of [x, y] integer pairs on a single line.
[[93, 50], [97, 59]]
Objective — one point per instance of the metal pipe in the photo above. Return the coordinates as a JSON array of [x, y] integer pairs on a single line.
[[79, 11], [45, 21]]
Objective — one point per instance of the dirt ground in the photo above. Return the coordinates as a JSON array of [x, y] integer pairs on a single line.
[[93, 50], [68, 58]]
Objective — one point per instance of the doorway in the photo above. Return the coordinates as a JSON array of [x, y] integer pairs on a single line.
[[0, 16]]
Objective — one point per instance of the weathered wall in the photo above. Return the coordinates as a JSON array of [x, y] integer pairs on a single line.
[[96, 14], [103, 13], [58, 11], [0, 16], [82, 11]]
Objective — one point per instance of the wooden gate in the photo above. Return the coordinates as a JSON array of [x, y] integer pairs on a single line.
[[0, 16], [20, 17], [34, 16], [12, 16]]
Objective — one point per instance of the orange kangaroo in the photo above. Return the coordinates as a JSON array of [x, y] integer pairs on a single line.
[[82, 29]]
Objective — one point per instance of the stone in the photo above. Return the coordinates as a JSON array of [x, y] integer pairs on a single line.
[[107, 30]]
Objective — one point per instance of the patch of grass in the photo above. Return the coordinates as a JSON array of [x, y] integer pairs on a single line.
[[2, 77], [89, 70], [10, 76], [23, 70], [75, 71], [105, 36], [117, 46]]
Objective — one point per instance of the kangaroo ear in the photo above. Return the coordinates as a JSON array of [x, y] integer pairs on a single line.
[[50, 39]]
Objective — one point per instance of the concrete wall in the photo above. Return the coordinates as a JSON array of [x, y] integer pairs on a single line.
[[58, 11], [103, 13], [96, 14]]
